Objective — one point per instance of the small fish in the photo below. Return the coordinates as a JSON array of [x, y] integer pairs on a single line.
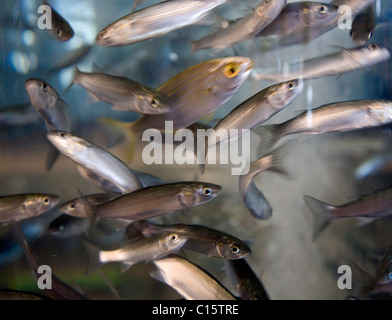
[[377, 205], [243, 28], [61, 29], [334, 117], [300, 17], [123, 93], [189, 280], [52, 109], [258, 108], [18, 207], [48, 104], [143, 249], [66, 226], [155, 21], [363, 26], [154, 201], [253, 198], [333, 64], [212, 242], [76, 208], [246, 282], [59, 289], [95, 159], [194, 93]]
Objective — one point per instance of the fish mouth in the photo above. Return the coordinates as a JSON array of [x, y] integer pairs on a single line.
[[102, 36]]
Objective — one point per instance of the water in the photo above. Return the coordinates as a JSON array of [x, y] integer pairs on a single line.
[[291, 266]]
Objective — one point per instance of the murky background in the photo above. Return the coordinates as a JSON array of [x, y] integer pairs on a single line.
[[291, 266]]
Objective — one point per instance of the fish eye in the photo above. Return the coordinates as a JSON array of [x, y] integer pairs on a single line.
[[323, 10], [291, 85], [373, 47], [71, 206], [174, 237], [46, 201], [59, 32], [207, 191], [231, 70], [154, 103], [44, 86], [235, 249]]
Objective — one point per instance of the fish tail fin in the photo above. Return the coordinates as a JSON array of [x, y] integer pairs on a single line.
[[269, 136], [277, 156], [322, 215], [51, 158], [120, 133], [146, 228], [76, 73], [93, 257]]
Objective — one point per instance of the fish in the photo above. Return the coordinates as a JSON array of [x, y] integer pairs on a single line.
[[53, 110], [242, 29], [245, 281], [48, 103], [300, 17], [347, 60], [59, 289], [376, 205], [155, 21], [142, 249], [194, 93], [253, 198], [123, 93], [209, 241], [363, 26], [335, 117], [76, 208], [95, 159], [154, 201], [61, 30], [66, 226], [189, 280], [257, 109], [19, 207]]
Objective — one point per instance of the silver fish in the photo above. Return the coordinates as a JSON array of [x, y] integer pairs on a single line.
[[258, 108], [377, 205], [253, 198], [300, 17], [48, 104], [155, 21], [61, 29], [189, 280], [52, 109], [76, 208], [201, 239], [363, 26], [18, 207], [95, 159], [243, 28], [334, 117], [143, 249], [333, 64], [123, 93], [154, 201]]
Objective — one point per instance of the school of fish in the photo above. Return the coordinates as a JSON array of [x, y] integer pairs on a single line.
[[133, 202]]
